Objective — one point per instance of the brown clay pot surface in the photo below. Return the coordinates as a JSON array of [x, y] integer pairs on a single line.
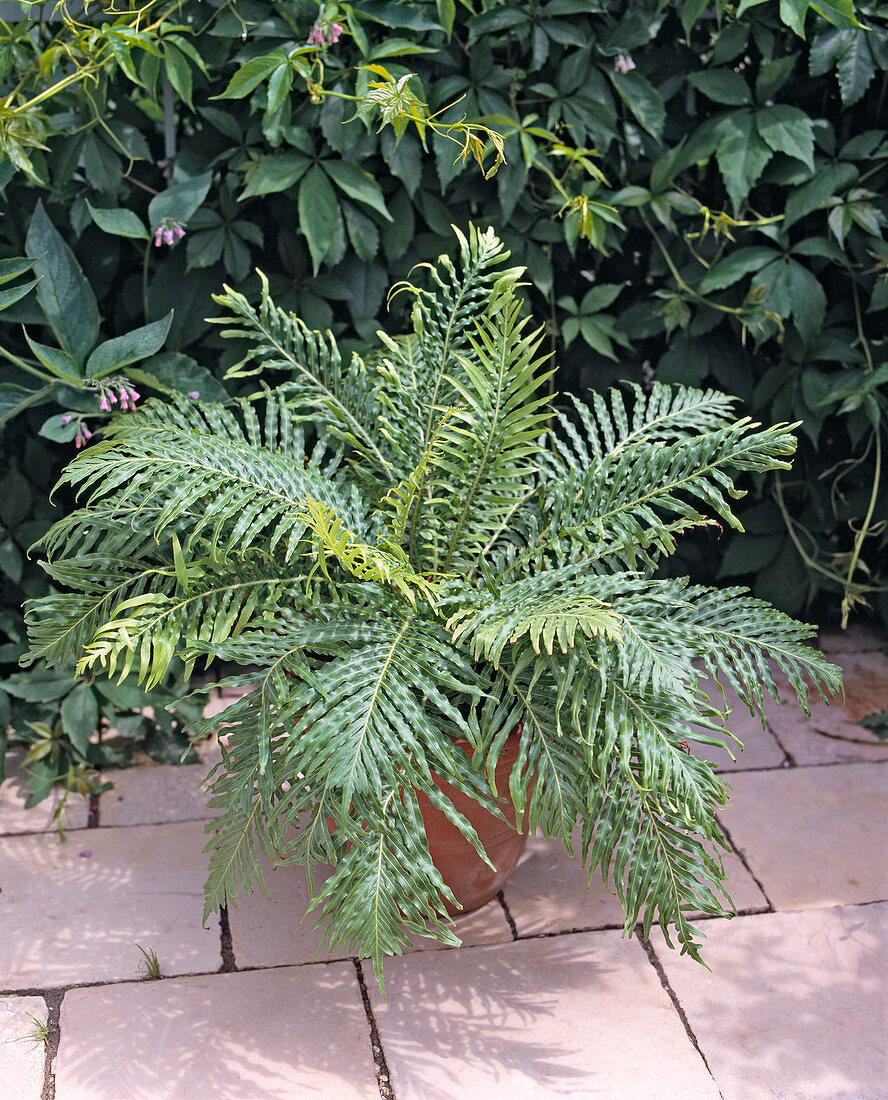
[[468, 876]]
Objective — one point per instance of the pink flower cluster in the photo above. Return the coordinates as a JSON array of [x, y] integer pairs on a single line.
[[127, 396], [324, 34], [623, 64], [83, 433], [169, 232]]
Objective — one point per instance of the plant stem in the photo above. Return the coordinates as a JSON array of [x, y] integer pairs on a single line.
[[25, 366], [863, 532]]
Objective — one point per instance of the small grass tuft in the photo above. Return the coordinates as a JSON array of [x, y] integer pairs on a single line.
[[38, 1034], [150, 962]]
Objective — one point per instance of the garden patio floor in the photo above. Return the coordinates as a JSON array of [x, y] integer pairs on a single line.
[[544, 999]]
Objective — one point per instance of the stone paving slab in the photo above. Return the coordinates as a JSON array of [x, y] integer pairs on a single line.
[[578, 1016], [155, 793], [813, 836], [274, 930], [283, 1034], [69, 918], [14, 818], [21, 1058], [795, 1005], [549, 892], [278, 932], [865, 676]]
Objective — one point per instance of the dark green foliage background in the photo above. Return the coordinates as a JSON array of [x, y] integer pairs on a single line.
[[741, 244]]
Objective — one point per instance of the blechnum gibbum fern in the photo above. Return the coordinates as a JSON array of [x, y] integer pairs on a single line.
[[420, 548]]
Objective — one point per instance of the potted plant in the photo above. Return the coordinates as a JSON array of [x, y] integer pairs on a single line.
[[427, 561]]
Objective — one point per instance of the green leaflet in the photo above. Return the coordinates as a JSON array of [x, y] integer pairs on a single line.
[[318, 213], [63, 292], [741, 154], [787, 130]]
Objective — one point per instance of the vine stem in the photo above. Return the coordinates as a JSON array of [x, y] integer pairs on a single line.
[[863, 532], [682, 285], [863, 340]]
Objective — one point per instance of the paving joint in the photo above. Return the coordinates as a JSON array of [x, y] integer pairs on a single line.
[[53, 1000], [57, 992], [789, 761], [676, 1004], [229, 963], [383, 1075], [510, 920], [742, 857]]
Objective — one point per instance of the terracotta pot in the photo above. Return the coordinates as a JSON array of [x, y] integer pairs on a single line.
[[468, 876]]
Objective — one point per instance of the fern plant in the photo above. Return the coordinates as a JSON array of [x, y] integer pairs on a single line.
[[422, 548]]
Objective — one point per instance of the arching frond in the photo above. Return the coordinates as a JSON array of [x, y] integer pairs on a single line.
[[402, 502], [660, 871], [627, 506], [62, 625], [551, 609], [369, 726], [444, 317], [739, 638], [489, 450], [386, 565], [148, 630], [385, 886], [341, 398], [661, 415], [202, 474]]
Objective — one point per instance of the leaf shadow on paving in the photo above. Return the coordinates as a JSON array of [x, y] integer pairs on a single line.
[[280, 1034], [74, 911], [794, 1005], [564, 1016]]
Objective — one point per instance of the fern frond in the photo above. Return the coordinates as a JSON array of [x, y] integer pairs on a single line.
[[445, 315], [341, 399], [663, 415], [401, 501], [368, 563], [211, 478], [739, 638], [61, 625], [549, 608], [152, 628], [386, 886], [489, 451], [243, 831], [629, 504], [659, 870]]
